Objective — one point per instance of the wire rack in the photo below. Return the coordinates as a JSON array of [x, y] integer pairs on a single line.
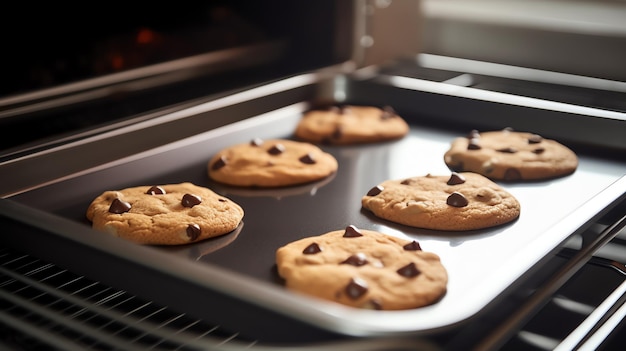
[[44, 307], [72, 312]]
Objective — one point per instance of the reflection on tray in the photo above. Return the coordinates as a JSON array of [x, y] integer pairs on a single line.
[[197, 250], [277, 192]]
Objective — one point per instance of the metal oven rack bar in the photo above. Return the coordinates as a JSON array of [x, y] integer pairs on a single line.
[[598, 318]]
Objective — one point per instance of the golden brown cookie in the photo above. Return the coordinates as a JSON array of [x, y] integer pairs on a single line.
[[271, 163], [351, 125], [364, 269], [171, 214], [510, 155], [456, 202]]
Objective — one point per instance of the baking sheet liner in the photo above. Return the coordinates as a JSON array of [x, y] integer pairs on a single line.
[[480, 263]]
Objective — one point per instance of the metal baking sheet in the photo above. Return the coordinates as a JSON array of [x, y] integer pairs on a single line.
[[481, 264]]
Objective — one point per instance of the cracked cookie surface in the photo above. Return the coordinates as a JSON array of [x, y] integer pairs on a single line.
[[364, 269], [170, 214], [510, 156], [271, 163], [456, 202]]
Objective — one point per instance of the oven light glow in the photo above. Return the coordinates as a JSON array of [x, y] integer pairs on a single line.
[[145, 36]]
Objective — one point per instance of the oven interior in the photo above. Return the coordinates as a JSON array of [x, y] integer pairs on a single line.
[[73, 76], [130, 90]]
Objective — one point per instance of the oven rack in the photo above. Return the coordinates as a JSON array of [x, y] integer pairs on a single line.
[[46, 307], [75, 313], [584, 313], [158, 333]]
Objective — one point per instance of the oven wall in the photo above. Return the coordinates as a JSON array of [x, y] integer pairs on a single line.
[[584, 37], [386, 30], [56, 45]]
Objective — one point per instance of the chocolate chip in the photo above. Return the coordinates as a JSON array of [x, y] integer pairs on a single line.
[[155, 190], [412, 246], [459, 167], [535, 139], [219, 163], [356, 260], [507, 150], [352, 232], [221, 199], [512, 174], [190, 200], [256, 142], [473, 134], [457, 200], [407, 181], [119, 206], [375, 190], [308, 159], [312, 249], [193, 232], [409, 271], [276, 149], [337, 133], [388, 112], [539, 150], [356, 288], [488, 168], [474, 144], [456, 179]]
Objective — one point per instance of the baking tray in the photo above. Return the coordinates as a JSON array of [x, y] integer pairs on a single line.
[[240, 265]]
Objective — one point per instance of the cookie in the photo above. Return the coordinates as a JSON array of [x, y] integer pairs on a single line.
[[363, 269], [351, 125], [172, 214], [510, 156], [271, 163], [456, 202]]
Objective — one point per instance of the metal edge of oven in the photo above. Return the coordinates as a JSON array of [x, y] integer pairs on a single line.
[[351, 26], [348, 22], [159, 128]]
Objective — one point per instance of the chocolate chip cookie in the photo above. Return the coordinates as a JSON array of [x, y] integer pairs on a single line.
[[271, 163], [363, 269], [343, 125], [171, 214], [510, 156], [456, 202]]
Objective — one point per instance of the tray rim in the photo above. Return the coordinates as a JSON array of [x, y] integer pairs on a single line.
[[322, 314]]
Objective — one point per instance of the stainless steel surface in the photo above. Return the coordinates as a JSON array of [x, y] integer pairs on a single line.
[[481, 264], [139, 79], [549, 291], [385, 31], [568, 36], [142, 133]]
